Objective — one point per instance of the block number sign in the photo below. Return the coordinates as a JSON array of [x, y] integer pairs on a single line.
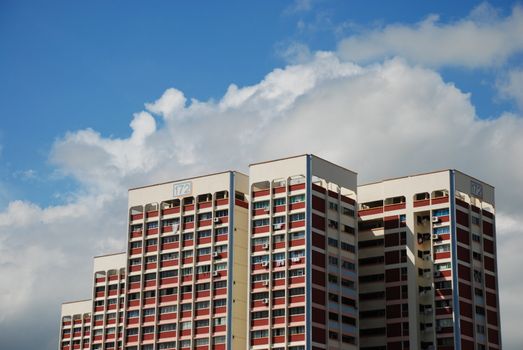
[[182, 189], [476, 189]]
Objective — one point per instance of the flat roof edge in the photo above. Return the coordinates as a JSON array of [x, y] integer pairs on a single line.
[[185, 179]]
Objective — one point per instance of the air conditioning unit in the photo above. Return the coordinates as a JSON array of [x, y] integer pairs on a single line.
[[265, 301], [176, 227], [267, 210], [265, 263], [437, 273], [215, 254], [278, 226], [216, 220], [295, 259], [266, 246], [216, 273], [435, 219], [435, 237], [266, 283], [280, 263]]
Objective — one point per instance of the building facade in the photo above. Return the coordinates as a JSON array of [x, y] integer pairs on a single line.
[[303, 284], [427, 263], [297, 256], [97, 323]]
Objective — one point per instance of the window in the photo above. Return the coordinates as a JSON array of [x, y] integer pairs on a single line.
[[151, 225], [135, 245], [260, 314], [296, 235], [203, 251], [332, 242], [148, 312], [261, 205], [187, 219], [278, 275], [297, 217], [185, 307], [168, 309], [296, 199], [149, 276], [187, 271], [348, 265], [475, 220], [476, 256], [296, 330], [185, 325], [476, 237], [169, 239], [148, 329], [297, 310], [444, 322], [347, 212], [203, 286], [259, 334], [333, 206], [440, 212], [220, 266], [202, 304], [260, 277], [201, 323], [203, 269], [166, 346], [333, 261], [204, 216], [348, 247], [442, 266], [278, 220], [279, 201], [168, 291], [223, 230], [150, 259], [441, 230], [333, 224], [222, 213], [168, 273], [260, 222], [201, 341], [204, 234], [259, 259], [218, 340], [442, 248], [296, 291], [168, 256]]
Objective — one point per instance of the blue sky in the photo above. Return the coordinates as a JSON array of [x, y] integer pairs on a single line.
[[100, 96], [69, 65]]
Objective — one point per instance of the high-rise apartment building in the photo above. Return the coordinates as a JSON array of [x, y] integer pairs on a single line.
[[303, 284], [296, 256], [97, 323], [187, 264], [427, 263]]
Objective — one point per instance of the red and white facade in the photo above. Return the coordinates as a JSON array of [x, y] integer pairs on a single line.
[[302, 256], [427, 263], [296, 256], [97, 323]]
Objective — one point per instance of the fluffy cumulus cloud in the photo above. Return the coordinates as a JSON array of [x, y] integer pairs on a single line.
[[482, 39], [385, 119], [512, 86]]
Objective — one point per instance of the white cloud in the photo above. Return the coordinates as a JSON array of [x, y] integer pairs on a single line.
[[512, 86], [481, 40], [381, 120]]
